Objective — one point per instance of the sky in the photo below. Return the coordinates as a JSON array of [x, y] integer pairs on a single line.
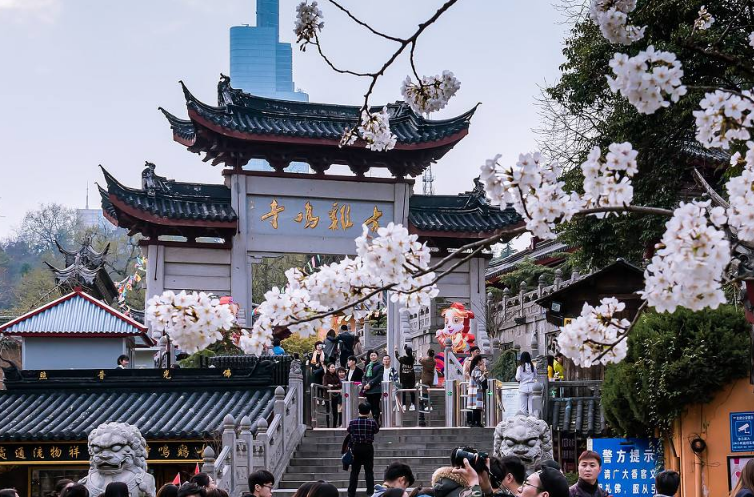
[[82, 80]]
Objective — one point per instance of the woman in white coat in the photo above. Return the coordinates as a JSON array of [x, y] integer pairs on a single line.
[[526, 375]]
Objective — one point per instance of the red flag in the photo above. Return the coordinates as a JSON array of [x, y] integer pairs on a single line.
[[197, 470], [177, 479]]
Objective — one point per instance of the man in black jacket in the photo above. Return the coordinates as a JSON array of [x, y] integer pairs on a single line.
[[407, 375], [372, 382], [353, 372], [346, 340]]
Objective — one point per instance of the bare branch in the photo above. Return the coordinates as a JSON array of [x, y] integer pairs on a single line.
[[362, 23]]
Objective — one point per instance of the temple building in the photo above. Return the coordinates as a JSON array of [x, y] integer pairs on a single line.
[[225, 229]]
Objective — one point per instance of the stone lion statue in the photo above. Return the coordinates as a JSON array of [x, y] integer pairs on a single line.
[[118, 452], [524, 436]]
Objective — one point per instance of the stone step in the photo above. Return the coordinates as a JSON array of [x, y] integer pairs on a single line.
[[398, 451], [472, 434], [318, 464], [343, 491], [421, 474], [342, 482]]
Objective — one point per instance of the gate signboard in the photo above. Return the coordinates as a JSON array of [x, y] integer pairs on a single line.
[[629, 465]]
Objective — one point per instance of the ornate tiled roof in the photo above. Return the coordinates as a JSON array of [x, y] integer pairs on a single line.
[[468, 213], [168, 207], [543, 250], [191, 414], [244, 126]]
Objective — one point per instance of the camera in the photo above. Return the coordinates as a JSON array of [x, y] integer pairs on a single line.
[[477, 460]]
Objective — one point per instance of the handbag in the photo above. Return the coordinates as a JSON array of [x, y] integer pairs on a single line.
[[347, 458]]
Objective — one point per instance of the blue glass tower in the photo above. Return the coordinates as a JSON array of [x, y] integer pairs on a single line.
[[259, 63]]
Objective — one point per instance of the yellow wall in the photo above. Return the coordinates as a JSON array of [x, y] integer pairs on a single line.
[[711, 422]]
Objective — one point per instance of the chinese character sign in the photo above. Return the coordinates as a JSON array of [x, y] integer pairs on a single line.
[[281, 215], [742, 432], [629, 466]]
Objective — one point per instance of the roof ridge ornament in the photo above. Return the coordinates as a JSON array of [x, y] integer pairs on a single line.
[[151, 182]]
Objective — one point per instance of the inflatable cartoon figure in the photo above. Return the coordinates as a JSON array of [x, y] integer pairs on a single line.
[[457, 326]]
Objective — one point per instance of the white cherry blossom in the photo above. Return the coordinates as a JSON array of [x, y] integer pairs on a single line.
[[724, 117], [611, 16], [741, 197], [650, 80], [607, 183], [374, 129], [431, 94], [596, 332], [687, 270], [308, 22], [705, 19]]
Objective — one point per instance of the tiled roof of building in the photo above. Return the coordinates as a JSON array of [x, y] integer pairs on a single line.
[[244, 126], [188, 201], [464, 213], [576, 415], [542, 250], [195, 413], [75, 314]]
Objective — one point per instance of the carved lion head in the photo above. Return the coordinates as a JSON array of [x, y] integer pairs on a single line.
[[115, 447]]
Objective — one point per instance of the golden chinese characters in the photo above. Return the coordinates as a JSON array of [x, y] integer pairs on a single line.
[[55, 452], [43, 375], [227, 373], [3, 455], [182, 451], [38, 453], [164, 451], [101, 374], [73, 452], [20, 454], [373, 222], [345, 217], [273, 214]]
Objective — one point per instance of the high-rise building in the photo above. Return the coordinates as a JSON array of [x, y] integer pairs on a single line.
[[259, 63]]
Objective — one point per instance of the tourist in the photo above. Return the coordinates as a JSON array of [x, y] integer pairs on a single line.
[[353, 373], [75, 490], [550, 463], [168, 490], [389, 374], [745, 485], [558, 366], [116, 489], [372, 382], [407, 376], [550, 367], [331, 381], [331, 347], [547, 480], [8, 492], [397, 476], [358, 348], [362, 431], [217, 492], [457, 481], [429, 369], [526, 375], [422, 492], [203, 480], [590, 464], [319, 488], [475, 390], [346, 340], [509, 471], [189, 489], [60, 486], [277, 349], [122, 361], [667, 483], [318, 363], [261, 482], [473, 352]]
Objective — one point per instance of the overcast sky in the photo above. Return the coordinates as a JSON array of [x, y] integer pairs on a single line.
[[82, 80]]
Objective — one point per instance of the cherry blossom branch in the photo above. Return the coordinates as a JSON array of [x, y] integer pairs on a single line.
[[624, 334]]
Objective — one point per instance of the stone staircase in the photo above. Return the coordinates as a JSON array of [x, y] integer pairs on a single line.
[[424, 449]]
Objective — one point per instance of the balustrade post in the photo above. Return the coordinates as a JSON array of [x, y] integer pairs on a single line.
[[279, 411], [229, 440], [558, 278], [492, 415], [243, 464], [536, 400], [296, 384], [208, 466], [350, 401], [262, 443], [387, 406], [506, 296], [450, 395]]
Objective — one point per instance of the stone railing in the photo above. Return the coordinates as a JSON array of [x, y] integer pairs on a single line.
[[270, 448]]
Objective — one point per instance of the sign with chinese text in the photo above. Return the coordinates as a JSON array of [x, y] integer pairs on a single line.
[[327, 218], [78, 453], [629, 465], [742, 432]]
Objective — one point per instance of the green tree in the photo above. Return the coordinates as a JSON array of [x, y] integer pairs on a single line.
[[674, 360], [581, 112]]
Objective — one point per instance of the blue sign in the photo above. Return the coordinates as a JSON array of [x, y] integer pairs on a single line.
[[742, 431], [629, 465]]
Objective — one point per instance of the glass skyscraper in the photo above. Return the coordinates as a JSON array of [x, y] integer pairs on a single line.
[[259, 63]]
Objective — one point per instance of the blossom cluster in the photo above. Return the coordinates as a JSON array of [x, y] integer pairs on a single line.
[[393, 259], [611, 16], [724, 117], [705, 20], [534, 190], [596, 336], [741, 197], [193, 321], [374, 129], [687, 269], [432, 93], [648, 79], [608, 183], [308, 22]]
